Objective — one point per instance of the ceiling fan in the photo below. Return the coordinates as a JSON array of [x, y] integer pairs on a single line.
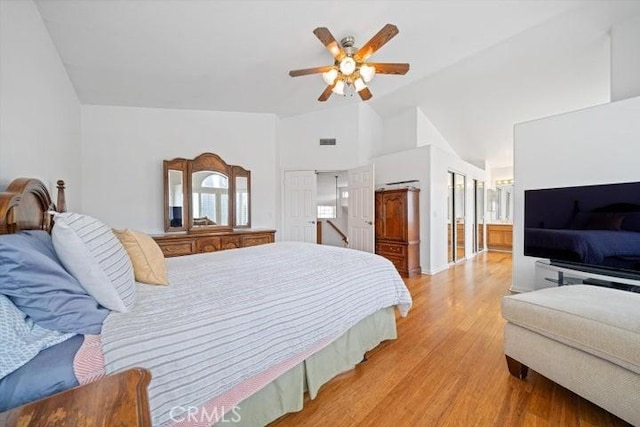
[[350, 69]]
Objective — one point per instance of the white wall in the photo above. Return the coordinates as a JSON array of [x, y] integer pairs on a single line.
[[441, 163], [428, 134], [370, 130], [625, 59], [598, 145], [299, 140], [39, 109], [123, 150], [399, 133]]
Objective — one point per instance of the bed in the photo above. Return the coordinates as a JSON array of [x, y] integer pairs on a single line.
[[237, 337]]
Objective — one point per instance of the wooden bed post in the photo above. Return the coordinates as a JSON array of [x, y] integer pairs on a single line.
[[61, 204], [516, 368]]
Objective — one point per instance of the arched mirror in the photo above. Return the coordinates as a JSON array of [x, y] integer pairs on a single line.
[[206, 194], [210, 198]]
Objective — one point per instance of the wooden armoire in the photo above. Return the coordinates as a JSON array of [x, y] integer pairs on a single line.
[[398, 229]]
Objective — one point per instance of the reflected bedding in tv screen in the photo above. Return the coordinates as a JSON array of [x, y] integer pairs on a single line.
[[592, 228]]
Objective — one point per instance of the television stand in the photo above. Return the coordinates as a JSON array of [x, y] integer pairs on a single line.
[[610, 284], [563, 276]]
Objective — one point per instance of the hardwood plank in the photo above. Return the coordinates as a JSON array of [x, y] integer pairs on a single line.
[[447, 366]]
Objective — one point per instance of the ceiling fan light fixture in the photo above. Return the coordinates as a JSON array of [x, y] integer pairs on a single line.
[[330, 76], [338, 89], [359, 84], [367, 72], [347, 65]]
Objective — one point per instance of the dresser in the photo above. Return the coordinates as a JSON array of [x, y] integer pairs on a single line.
[[178, 244], [398, 229]]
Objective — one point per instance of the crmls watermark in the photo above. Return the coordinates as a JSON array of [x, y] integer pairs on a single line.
[[195, 414]]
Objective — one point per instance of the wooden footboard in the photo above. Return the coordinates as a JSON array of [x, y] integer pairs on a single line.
[[116, 400]]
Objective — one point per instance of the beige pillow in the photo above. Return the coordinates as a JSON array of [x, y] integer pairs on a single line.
[[148, 261]]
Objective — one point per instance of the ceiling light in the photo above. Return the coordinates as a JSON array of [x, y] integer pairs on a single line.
[[338, 89], [359, 84], [367, 72], [347, 65], [330, 76]]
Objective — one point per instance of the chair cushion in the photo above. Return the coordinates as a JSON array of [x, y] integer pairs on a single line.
[[601, 321]]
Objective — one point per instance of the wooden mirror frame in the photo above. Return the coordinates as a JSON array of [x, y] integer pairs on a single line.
[[211, 163], [179, 165], [240, 172], [204, 162]]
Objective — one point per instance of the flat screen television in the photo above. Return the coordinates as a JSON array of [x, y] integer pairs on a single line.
[[593, 228]]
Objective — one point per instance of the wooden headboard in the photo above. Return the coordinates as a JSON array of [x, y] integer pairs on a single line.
[[25, 205]]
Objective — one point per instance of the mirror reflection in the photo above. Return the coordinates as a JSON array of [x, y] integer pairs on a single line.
[[176, 198], [459, 185], [210, 198], [501, 204], [242, 201], [205, 194]]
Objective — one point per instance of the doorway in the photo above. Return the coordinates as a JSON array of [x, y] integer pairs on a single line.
[[455, 217], [318, 204]]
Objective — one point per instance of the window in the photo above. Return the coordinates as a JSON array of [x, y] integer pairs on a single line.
[[326, 211]]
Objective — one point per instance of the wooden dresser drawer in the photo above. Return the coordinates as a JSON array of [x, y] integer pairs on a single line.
[[208, 244], [170, 249], [195, 243], [391, 249], [257, 239], [230, 242], [398, 261]]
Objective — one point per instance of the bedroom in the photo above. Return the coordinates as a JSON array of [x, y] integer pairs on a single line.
[[89, 142]]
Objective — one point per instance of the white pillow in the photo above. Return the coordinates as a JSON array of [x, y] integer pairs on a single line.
[[90, 251]]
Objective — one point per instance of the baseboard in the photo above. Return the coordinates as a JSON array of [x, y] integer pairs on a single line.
[[436, 270]]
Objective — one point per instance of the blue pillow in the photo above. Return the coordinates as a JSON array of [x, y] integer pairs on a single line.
[[20, 339], [51, 371], [33, 278]]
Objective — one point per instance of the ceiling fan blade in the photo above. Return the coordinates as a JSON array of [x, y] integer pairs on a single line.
[[365, 94], [390, 68], [384, 35], [306, 71], [326, 94], [327, 39]]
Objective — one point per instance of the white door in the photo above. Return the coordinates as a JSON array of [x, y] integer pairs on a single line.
[[361, 209], [300, 209]]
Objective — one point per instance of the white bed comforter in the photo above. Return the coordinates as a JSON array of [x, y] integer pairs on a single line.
[[228, 316]]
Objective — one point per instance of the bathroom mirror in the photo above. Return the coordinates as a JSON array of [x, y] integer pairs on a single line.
[[501, 202]]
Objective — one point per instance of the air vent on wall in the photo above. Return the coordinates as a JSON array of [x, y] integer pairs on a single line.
[[327, 141]]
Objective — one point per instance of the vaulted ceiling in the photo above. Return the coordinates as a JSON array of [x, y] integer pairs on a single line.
[[477, 67]]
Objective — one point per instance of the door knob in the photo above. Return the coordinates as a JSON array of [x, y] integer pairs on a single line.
[[370, 222], [312, 222]]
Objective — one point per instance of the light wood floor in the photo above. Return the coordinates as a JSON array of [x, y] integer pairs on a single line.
[[447, 367]]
